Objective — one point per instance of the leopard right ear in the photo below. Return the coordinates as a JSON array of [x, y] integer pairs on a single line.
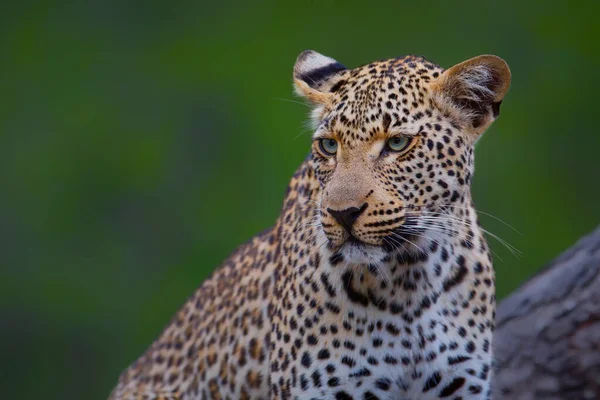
[[315, 75], [474, 90]]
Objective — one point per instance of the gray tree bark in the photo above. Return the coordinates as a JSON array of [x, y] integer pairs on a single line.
[[547, 340]]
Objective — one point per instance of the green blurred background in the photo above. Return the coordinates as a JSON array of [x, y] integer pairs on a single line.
[[140, 143]]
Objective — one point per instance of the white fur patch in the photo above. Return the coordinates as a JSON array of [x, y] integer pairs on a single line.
[[311, 60]]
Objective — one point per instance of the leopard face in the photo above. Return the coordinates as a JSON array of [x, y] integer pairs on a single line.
[[393, 144]]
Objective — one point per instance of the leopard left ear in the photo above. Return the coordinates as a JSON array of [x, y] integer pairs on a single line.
[[315, 75], [473, 90]]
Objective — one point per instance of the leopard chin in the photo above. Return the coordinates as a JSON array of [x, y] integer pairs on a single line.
[[360, 253]]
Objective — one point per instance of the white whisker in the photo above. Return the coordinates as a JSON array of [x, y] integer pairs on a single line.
[[443, 217], [292, 101]]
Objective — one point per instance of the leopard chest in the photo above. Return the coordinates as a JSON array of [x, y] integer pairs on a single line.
[[370, 355]]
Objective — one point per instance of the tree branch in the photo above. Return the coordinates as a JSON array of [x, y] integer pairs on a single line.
[[547, 340]]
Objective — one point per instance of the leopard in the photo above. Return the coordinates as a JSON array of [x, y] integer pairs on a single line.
[[376, 280]]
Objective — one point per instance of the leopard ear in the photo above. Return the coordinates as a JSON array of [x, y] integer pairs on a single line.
[[315, 75], [473, 90]]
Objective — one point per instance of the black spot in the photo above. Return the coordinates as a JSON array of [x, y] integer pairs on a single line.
[[333, 382], [383, 384], [348, 361], [325, 281], [434, 245], [303, 382], [337, 86], [306, 360], [343, 396], [470, 347], [412, 258], [475, 389], [457, 360], [396, 308], [392, 329], [387, 120], [486, 345], [478, 268], [425, 303], [323, 354], [456, 279], [390, 360], [353, 295], [316, 377], [332, 307], [369, 396], [336, 259], [452, 387], [484, 372], [444, 254], [432, 381], [360, 373]]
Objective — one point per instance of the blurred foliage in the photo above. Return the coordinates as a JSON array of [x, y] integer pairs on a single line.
[[141, 142]]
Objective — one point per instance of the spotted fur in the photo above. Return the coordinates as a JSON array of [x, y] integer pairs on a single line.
[[376, 281]]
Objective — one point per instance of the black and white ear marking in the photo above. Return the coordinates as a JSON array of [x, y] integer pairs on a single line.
[[473, 90], [315, 75]]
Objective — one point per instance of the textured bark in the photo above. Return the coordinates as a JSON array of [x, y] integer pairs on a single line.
[[547, 341]]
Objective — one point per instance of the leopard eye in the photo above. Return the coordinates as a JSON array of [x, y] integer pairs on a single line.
[[328, 146], [398, 143]]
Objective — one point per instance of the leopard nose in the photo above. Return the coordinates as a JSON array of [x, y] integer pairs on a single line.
[[347, 217]]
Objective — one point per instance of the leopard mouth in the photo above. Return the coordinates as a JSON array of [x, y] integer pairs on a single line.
[[352, 243], [400, 238]]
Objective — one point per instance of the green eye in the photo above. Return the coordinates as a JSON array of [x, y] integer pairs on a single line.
[[328, 146], [398, 143]]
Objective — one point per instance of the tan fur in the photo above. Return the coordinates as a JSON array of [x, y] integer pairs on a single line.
[[313, 95]]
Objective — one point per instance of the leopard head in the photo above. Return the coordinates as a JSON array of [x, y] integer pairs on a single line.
[[393, 142]]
